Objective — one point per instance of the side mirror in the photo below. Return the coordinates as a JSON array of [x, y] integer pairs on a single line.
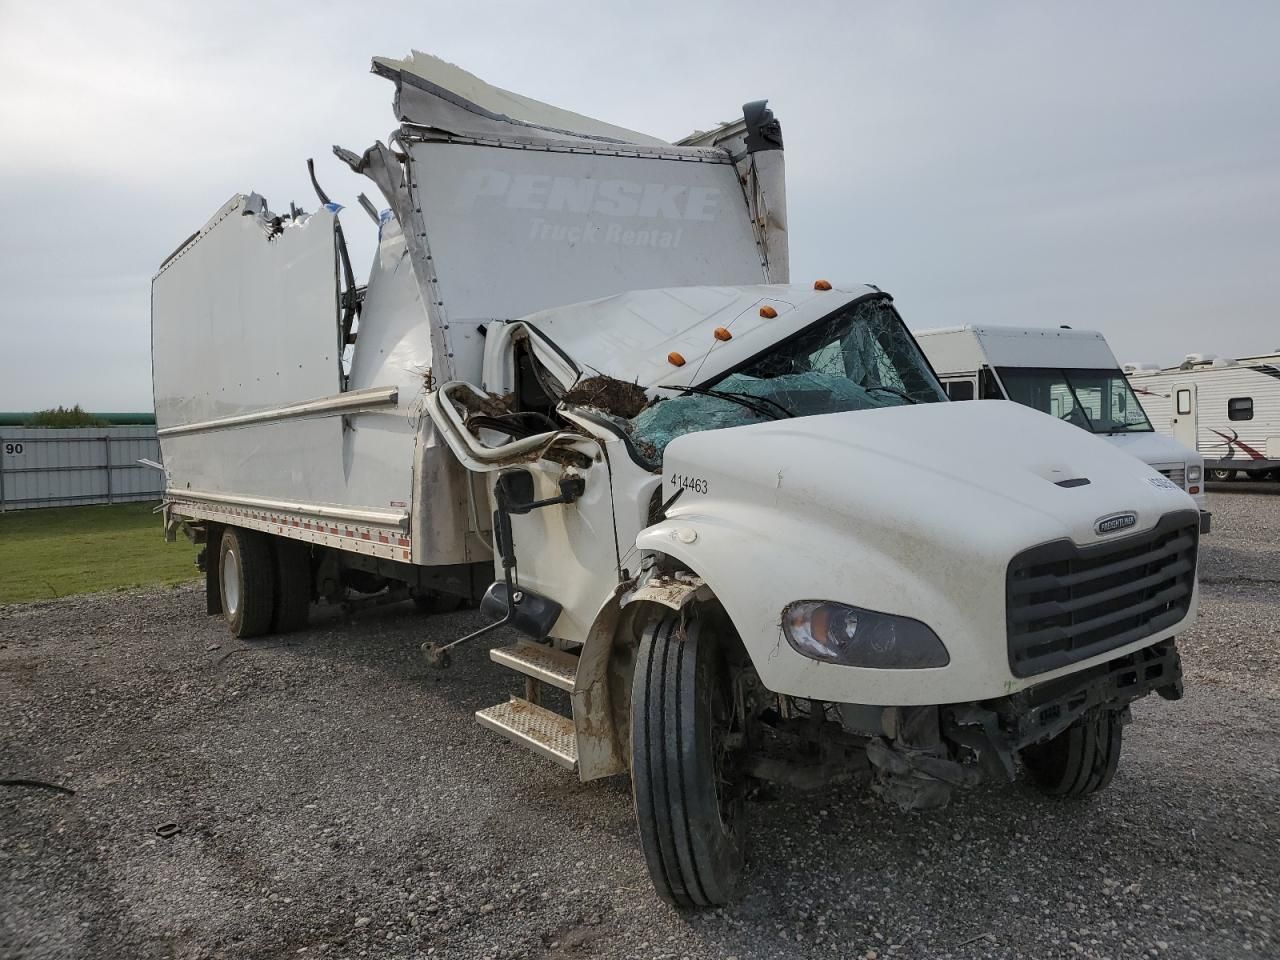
[[515, 491]]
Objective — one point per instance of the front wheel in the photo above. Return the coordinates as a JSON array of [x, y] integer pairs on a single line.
[[1080, 760], [688, 793], [1222, 476]]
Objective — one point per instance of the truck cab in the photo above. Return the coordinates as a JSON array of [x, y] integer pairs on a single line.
[[1069, 374]]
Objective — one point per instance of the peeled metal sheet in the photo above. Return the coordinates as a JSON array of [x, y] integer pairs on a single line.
[[433, 92]]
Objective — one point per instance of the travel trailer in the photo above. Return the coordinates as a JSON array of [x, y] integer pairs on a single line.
[[738, 527], [1069, 374], [1229, 410]]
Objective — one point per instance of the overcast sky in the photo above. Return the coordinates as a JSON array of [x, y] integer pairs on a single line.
[[1113, 165]]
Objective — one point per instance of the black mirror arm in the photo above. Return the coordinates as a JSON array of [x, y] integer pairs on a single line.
[[571, 488]]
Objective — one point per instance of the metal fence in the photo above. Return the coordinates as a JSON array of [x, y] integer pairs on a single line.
[[61, 468]]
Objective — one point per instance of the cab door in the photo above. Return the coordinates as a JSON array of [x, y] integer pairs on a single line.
[[1186, 416]]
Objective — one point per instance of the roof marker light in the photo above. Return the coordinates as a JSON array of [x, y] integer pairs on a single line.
[[768, 312], [722, 333], [675, 359], [822, 284]]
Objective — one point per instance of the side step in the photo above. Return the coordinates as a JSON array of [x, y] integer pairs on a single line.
[[535, 727], [541, 662]]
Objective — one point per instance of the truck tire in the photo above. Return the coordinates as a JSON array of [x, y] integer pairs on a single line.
[[246, 575], [292, 607], [688, 799], [1221, 476], [1079, 761]]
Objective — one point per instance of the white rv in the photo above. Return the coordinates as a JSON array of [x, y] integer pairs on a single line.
[[1066, 373], [1229, 410], [580, 388]]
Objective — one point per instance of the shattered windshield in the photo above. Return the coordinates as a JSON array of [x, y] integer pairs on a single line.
[[1099, 401], [857, 359]]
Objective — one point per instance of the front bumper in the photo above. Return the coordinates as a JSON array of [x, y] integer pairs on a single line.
[[997, 729]]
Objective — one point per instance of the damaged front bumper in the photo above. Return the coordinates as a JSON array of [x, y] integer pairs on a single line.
[[996, 730], [926, 752]]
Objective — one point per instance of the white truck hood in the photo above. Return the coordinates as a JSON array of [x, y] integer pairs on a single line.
[[914, 510], [998, 460]]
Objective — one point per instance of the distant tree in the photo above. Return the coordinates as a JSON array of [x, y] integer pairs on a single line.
[[65, 417]]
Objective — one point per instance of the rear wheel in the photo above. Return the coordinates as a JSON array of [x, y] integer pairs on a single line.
[[688, 792], [1080, 760], [246, 575], [1222, 476], [293, 585]]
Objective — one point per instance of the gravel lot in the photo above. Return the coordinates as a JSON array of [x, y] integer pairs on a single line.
[[330, 796]]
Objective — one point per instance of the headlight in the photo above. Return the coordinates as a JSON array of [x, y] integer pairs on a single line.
[[854, 637], [1193, 474]]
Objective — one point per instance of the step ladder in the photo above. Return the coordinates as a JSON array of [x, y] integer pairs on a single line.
[[524, 720]]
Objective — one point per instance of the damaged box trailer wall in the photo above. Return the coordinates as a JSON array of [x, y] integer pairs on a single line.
[[491, 217]]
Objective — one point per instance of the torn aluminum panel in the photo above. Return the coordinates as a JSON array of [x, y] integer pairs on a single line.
[[434, 93]]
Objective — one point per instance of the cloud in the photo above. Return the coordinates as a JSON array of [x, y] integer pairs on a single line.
[[1098, 165]]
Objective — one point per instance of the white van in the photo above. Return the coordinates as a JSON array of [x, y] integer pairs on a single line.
[[1069, 374]]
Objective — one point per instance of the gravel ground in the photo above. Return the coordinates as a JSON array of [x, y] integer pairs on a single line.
[[327, 795]]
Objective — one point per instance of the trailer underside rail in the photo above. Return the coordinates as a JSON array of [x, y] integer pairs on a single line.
[[370, 532]]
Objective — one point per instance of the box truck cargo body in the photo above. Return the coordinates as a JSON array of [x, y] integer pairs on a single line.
[[580, 389], [1069, 374]]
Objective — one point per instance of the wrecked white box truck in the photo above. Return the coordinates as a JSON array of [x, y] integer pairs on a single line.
[[739, 527]]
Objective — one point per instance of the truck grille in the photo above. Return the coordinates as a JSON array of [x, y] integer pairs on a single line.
[[1175, 472], [1068, 603]]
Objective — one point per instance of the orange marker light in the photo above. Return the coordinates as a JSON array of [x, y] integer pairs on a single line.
[[822, 284], [768, 312], [723, 334], [675, 359]]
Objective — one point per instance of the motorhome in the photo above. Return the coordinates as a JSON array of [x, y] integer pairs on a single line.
[[1069, 374], [1228, 410], [581, 388]]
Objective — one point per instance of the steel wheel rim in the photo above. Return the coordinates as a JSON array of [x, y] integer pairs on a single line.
[[231, 582]]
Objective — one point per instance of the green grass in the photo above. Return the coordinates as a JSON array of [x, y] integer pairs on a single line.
[[63, 551]]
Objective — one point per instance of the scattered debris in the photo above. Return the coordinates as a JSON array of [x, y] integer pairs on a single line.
[[613, 396], [490, 405], [167, 830]]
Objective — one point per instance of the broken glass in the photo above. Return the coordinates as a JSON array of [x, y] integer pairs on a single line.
[[860, 358]]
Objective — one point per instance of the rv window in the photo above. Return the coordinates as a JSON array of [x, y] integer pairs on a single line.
[[960, 390], [1240, 408], [1184, 403]]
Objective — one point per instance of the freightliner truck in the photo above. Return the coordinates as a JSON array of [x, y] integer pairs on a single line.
[[731, 525]]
